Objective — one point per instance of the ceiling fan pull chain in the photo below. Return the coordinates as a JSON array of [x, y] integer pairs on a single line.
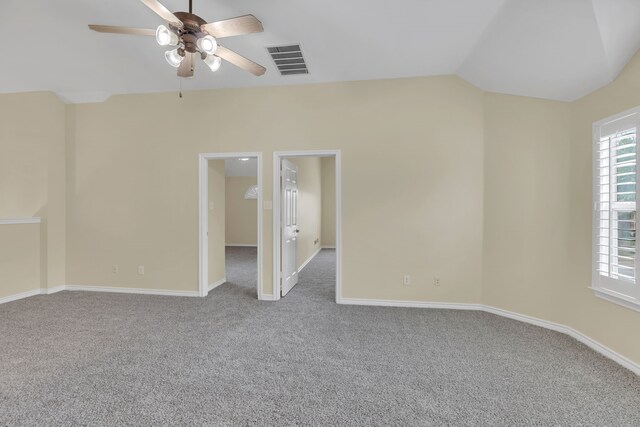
[[180, 94]]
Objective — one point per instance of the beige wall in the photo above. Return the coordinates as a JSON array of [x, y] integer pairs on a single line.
[[32, 173], [115, 215], [328, 176], [538, 183], [309, 207], [19, 258], [429, 165], [526, 209], [606, 322], [242, 214], [217, 220]]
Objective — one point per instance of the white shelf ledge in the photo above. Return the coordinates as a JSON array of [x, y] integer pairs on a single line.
[[30, 220]]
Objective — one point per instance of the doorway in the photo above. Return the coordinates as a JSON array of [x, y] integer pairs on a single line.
[[229, 211], [298, 242]]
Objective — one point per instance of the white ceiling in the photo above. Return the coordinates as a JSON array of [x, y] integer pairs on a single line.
[[237, 167], [557, 49]]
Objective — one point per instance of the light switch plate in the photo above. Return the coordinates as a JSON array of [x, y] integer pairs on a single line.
[[268, 205], [210, 206]]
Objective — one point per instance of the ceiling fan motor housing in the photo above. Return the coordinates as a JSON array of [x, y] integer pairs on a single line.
[[191, 30]]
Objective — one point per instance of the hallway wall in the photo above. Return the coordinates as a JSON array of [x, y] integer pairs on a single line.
[[309, 206], [217, 220], [242, 214], [328, 199]]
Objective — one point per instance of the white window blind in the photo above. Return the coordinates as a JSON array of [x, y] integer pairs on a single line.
[[615, 247]]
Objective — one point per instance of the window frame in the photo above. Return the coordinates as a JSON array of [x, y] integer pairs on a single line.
[[619, 291]]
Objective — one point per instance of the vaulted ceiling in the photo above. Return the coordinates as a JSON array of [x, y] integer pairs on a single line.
[[556, 49]]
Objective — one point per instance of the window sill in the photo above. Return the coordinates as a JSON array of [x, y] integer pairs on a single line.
[[617, 298]]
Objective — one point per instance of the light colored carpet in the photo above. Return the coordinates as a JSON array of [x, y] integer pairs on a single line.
[[80, 358], [241, 264]]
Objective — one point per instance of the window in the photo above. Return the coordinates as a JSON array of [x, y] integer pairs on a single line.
[[615, 247]]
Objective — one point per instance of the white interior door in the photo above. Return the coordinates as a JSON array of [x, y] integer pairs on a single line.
[[289, 225]]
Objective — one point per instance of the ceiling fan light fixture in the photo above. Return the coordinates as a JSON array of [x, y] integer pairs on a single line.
[[166, 37], [187, 36], [214, 62], [173, 57], [208, 44]]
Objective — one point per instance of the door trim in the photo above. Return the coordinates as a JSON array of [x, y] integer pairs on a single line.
[[203, 221], [277, 161]]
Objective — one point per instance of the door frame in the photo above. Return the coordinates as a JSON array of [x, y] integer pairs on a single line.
[[277, 200], [203, 213]]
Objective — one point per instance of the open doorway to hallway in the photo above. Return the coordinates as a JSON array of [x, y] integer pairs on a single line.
[[240, 223], [230, 223], [307, 224]]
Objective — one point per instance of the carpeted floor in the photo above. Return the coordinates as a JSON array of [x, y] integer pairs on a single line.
[[241, 265], [80, 358]]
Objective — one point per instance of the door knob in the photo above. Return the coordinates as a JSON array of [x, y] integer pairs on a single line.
[[297, 231]]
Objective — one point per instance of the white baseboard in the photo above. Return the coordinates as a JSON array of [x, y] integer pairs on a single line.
[[304, 264], [13, 221], [413, 304], [141, 291], [31, 293], [216, 284], [584, 339], [589, 342], [567, 330], [53, 290], [20, 295], [327, 247], [242, 245], [524, 318]]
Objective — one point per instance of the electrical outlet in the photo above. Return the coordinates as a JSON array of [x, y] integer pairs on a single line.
[[407, 280], [115, 268], [436, 281], [141, 269]]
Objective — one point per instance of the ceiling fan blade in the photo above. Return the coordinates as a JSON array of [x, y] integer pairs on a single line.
[[163, 12], [240, 61], [240, 25], [123, 30], [187, 65]]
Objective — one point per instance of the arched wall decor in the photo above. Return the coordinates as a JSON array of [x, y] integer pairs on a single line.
[[251, 193]]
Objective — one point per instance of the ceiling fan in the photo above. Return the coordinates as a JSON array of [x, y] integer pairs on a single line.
[[193, 36]]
